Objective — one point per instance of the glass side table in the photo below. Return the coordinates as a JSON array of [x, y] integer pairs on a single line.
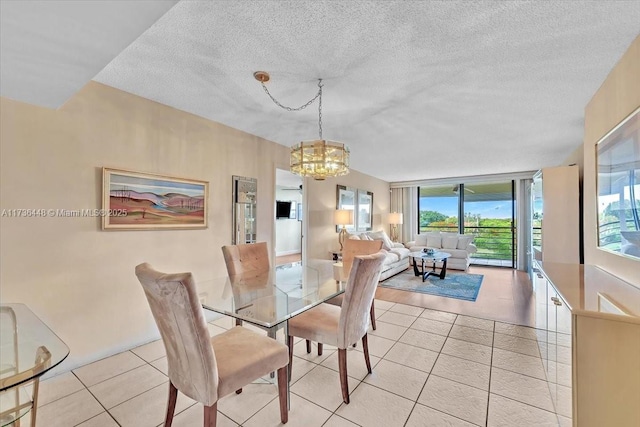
[[28, 350]]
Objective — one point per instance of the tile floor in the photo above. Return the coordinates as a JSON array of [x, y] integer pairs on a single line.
[[430, 368]]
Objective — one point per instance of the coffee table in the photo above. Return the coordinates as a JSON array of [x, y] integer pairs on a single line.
[[433, 257]]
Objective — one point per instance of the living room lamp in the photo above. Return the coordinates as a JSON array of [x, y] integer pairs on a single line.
[[342, 217], [395, 219], [319, 158]]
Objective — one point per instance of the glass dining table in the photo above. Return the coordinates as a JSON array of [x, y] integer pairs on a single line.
[[269, 299], [28, 350]]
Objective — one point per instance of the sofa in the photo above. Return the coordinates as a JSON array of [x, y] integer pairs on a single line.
[[397, 255], [460, 246]]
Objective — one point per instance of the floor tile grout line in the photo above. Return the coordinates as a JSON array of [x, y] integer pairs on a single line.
[[95, 416], [425, 382], [438, 376], [151, 366], [490, 372], [105, 409], [107, 379], [386, 353]]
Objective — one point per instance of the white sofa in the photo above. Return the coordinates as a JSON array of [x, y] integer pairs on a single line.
[[460, 246], [397, 259]]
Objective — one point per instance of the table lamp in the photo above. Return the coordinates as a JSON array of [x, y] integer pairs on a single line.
[[342, 217], [395, 219]]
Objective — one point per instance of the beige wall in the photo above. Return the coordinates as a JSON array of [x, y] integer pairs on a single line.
[[322, 203], [618, 96], [80, 280]]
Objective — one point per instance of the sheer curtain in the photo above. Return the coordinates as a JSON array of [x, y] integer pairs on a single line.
[[405, 200]]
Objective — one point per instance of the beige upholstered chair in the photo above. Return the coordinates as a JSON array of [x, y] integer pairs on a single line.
[[204, 368], [247, 257], [351, 249], [345, 325]]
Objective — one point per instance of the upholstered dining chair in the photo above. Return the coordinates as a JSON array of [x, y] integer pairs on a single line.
[[345, 325], [352, 248], [245, 258], [204, 368]]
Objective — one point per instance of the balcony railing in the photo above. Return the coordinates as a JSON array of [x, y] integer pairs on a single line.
[[496, 245]]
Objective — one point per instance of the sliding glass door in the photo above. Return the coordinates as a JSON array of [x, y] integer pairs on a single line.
[[487, 211], [438, 209]]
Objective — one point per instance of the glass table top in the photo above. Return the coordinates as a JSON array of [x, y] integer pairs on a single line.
[[437, 255], [28, 349], [269, 298]]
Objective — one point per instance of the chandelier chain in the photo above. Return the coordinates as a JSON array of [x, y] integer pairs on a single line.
[[320, 109], [302, 107]]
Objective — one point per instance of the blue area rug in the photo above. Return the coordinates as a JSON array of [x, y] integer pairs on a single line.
[[455, 285]]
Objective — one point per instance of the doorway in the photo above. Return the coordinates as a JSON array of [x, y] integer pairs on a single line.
[[288, 229]]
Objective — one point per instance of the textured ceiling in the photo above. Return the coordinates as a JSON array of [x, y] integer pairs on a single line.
[[417, 89], [50, 49]]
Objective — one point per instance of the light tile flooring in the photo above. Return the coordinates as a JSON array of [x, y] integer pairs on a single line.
[[430, 368]]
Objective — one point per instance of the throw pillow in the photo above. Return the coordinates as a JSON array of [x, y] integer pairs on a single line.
[[354, 237], [381, 235], [421, 240], [449, 242], [464, 241], [434, 240]]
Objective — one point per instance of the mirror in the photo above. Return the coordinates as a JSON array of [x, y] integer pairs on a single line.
[[244, 210], [618, 175], [346, 200]]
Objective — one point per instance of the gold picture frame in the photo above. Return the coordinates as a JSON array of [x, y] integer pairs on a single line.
[[144, 201]]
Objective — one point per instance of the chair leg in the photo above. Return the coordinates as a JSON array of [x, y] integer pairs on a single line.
[[308, 346], [211, 415], [372, 313], [171, 404], [365, 349], [290, 344], [342, 367], [319, 349], [282, 392]]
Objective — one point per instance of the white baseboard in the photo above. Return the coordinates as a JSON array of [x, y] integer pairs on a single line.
[[293, 252]]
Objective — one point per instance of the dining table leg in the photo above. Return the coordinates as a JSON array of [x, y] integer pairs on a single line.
[[289, 343]]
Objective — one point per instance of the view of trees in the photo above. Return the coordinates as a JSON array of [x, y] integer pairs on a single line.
[[492, 235]]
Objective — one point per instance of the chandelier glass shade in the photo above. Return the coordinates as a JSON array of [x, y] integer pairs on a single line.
[[319, 159]]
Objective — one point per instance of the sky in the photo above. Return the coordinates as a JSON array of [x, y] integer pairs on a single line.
[[449, 207]]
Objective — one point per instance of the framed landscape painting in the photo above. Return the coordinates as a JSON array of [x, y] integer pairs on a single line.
[[138, 201]]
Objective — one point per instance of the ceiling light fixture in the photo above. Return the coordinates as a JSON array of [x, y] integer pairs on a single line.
[[319, 158]]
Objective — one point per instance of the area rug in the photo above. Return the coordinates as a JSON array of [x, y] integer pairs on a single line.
[[455, 285]]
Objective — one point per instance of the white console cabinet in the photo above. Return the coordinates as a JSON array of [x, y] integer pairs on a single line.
[[589, 339], [556, 211]]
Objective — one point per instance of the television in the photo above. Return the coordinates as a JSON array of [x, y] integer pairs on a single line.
[[283, 209]]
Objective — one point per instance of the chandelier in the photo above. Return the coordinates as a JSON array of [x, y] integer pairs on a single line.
[[319, 158]]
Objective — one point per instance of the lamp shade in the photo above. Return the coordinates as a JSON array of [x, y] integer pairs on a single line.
[[395, 218], [343, 217]]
